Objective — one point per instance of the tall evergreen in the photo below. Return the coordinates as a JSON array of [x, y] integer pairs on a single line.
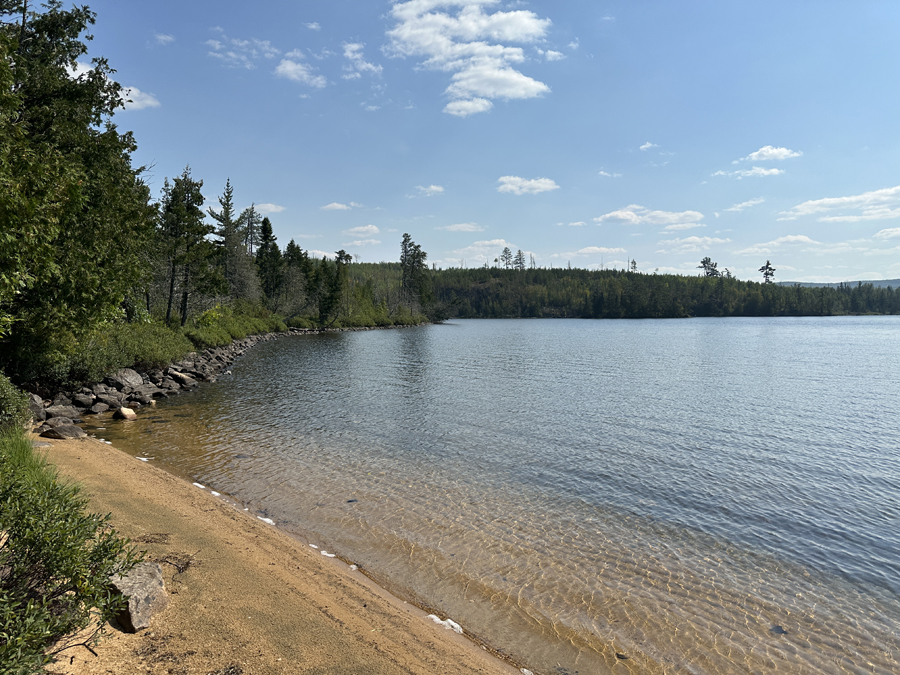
[[237, 265], [269, 262]]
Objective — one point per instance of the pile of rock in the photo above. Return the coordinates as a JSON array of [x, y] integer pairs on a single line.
[[126, 390]]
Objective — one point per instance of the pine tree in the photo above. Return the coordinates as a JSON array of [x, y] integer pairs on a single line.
[[269, 262], [768, 272]]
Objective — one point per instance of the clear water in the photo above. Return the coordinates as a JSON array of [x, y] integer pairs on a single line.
[[702, 496]]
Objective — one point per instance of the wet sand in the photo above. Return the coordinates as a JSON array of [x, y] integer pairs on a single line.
[[244, 597]]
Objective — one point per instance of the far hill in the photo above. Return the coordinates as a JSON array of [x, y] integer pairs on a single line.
[[877, 283]]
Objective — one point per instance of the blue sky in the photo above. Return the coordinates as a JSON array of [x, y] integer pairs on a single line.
[[581, 132]]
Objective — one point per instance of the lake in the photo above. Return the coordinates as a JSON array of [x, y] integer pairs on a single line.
[[699, 495]]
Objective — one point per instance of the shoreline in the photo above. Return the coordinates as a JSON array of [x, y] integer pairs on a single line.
[[245, 596]]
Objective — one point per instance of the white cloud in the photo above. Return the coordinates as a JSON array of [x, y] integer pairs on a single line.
[[462, 227], [313, 25], [484, 251], [551, 55], [135, 99], [363, 231], [746, 205], [269, 208], [357, 65], [639, 215], [881, 204], [430, 191], [464, 40], [892, 233], [770, 247], [770, 153], [335, 206], [682, 226], [574, 44], [315, 253], [237, 53], [750, 173], [579, 223], [606, 174], [362, 242], [690, 244], [466, 108], [300, 72], [646, 146], [525, 186], [163, 39], [588, 251]]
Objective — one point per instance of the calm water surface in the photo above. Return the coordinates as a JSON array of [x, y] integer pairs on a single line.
[[703, 496]]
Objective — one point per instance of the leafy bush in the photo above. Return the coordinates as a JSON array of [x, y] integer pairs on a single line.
[[222, 324], [14, 411], [55, 560]]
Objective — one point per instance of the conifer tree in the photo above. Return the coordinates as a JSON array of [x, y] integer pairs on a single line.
[[269, 262]]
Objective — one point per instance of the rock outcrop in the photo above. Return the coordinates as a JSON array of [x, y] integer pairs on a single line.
[[145, 591]]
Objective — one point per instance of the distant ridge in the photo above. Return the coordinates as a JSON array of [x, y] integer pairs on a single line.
[[877, 283]]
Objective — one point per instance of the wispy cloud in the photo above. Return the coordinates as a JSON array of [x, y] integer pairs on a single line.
[[356, 64], [292, 69], [313, 25], [336, 206], [770, 247], [881, 204], [606, 174], [746, 205], [484, 251], [359, 243], [646, 146], [462, 227], [639, 215], [588, 251], [459, 37], [363, 231], [163, 39], [756, 171], [238, 53], [690, 244], [269, 208], [525, 186], [682, 226], [135, 99], [430, 190], [892, 233], [770, 153]]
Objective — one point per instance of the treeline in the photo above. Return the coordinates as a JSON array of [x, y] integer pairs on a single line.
[[612, 294], [97, 273]]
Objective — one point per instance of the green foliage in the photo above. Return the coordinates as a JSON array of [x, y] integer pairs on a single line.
[[221, 324], [14, 411], [55, 560]]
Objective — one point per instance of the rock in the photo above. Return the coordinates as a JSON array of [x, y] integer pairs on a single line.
[[146, 593], [182, 379], [142, 399], [61, 411], [98, 408], [64, 431], [36, 405], [62, 399], [113, 401], [125, 414], [125, 380], [54, 422], [83, 400], [99, 388]]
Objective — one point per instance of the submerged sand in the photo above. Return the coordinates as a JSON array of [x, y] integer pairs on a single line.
[[244, 597]]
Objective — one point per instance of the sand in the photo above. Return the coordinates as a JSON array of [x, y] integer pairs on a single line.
[[244, 597]]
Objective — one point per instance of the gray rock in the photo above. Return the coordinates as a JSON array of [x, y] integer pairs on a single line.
[[145, 590], [125, 414], [83, 400], [61, 411], [98, 408], [182, 379], [54, 422], [140, 398], [36, 405], [113, 401], [99, 388], [125, 380], [62, 399], [64, 431]]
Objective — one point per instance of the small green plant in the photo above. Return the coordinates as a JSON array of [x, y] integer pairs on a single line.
[[55, 561], [14, 411]]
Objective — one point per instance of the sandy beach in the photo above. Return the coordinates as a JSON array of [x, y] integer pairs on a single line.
[[244, 597]]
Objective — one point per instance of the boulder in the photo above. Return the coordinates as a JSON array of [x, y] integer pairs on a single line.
[[145, 591], [125, 414], [64, 431], [83, 400], [113, 401], [125, 380], [182, 379], [98, 408], [61, 411], [36, 405], [99, 388], [62, 399], [54, 422]]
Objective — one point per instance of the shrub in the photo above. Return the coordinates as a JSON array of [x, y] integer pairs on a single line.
[[55, 561], [14, 410]]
